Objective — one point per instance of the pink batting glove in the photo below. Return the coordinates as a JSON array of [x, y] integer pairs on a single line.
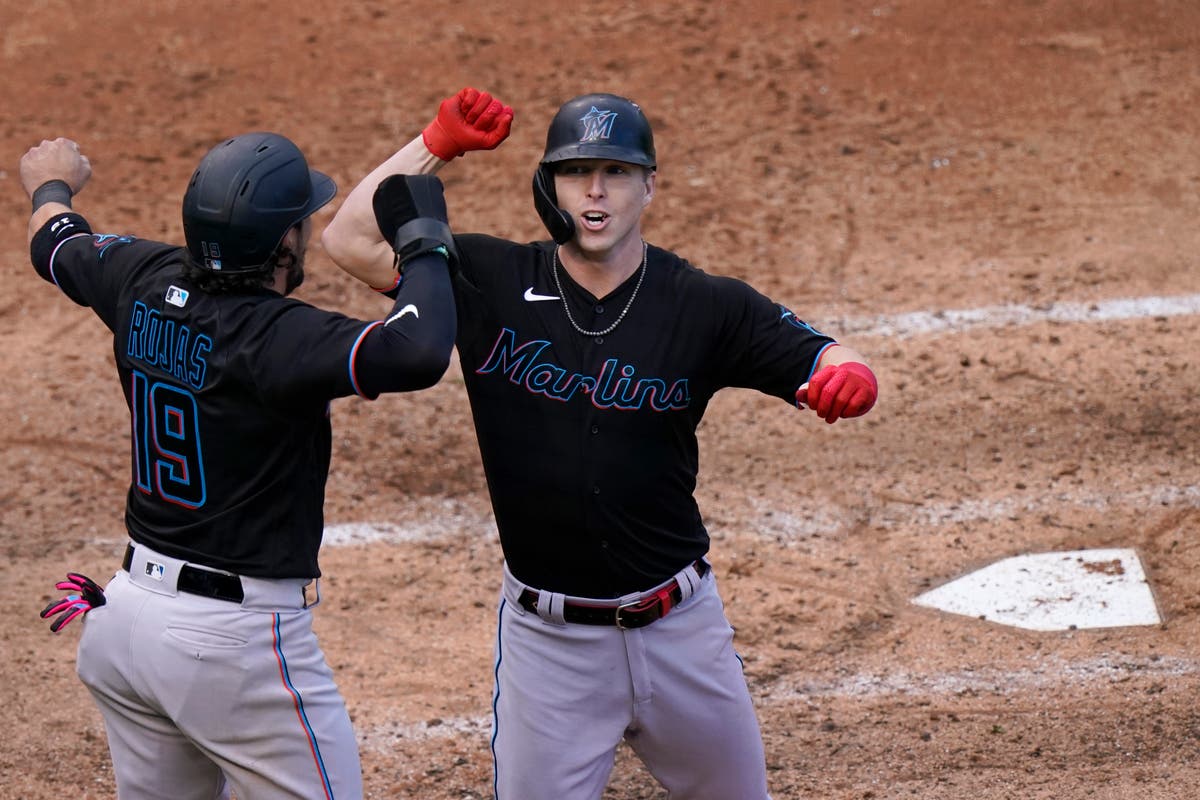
[[85, 595]]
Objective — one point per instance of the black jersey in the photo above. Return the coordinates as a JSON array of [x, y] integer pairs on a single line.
[[228, 398], [589, 442]]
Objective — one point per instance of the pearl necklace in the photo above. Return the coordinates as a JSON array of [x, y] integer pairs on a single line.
[[563, 296]]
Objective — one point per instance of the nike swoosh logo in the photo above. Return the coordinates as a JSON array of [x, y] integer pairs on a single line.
[[533, 298], [408, 309]]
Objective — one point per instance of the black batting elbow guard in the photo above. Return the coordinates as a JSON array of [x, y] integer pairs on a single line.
[[57, 230], [410, 211]]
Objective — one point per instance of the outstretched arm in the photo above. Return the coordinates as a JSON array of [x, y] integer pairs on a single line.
[[469, 120]]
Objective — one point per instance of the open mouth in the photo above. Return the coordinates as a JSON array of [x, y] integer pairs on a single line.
[[594, 219]]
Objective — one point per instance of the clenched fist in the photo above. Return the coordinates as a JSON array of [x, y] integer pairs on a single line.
[[470, 120], [57, 159], [840, 390]]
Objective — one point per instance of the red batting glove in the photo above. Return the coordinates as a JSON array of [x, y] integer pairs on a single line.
[[840, 390], [470, 120]]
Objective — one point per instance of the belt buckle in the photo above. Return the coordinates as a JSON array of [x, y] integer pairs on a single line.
[[644, 604], [617, 613]]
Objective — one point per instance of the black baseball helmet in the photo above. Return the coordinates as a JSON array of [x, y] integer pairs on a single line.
[[605, 126], [243, 198], [600, 126]]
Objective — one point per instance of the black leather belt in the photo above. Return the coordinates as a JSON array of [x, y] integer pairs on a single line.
[[637, 614], [193, 580]]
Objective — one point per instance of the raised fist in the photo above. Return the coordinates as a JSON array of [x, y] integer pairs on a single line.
[[57, 159], [470, 120], [840, 390]]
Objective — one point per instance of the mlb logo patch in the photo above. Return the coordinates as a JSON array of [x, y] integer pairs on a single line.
[[177, 297], [155, 570]]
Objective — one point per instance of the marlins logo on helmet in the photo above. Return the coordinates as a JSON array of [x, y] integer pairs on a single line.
[[597, 125]]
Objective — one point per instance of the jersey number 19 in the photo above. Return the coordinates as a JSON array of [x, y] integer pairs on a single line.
[[166, 442]]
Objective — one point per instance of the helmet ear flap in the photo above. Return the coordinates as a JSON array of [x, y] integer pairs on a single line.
[[545, 200]]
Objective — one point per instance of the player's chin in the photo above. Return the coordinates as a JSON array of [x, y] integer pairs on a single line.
[[602, 240]]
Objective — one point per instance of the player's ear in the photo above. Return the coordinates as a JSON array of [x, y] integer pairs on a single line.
[[295, 237], [651, 177]]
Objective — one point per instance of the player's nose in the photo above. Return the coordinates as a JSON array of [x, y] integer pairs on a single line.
[[596, 184]]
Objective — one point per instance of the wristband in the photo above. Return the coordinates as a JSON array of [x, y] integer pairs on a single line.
[[53, 191]]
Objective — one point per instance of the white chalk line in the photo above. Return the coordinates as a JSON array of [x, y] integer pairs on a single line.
[[426, 520], [1046, 674], [803, 519], [449, 527], [918, 323]]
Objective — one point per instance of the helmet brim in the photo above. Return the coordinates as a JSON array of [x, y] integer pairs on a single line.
[[597, 150], [323, 190]]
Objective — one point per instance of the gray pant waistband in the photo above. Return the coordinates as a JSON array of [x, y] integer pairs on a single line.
[[158, 573]]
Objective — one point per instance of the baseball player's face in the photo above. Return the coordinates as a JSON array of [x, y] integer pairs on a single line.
[[605, 198]]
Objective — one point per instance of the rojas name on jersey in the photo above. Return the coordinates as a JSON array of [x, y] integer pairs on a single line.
[[172, 348]]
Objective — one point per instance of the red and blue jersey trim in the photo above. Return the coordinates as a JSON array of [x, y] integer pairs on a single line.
[[354, 354]]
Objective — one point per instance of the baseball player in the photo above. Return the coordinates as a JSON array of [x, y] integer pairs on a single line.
[[200, 652], [589, 361]]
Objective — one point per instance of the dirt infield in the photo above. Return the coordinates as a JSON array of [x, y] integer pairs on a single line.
[[873, 166]]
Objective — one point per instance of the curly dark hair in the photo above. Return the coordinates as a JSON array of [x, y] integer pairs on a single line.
[[206, 280], [215, 283]]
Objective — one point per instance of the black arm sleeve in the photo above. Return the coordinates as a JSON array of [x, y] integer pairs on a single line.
[[411, 348]]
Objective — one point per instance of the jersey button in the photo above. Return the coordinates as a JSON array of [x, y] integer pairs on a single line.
[[599, 340], [599, 309], [595, 490], [595, 429]]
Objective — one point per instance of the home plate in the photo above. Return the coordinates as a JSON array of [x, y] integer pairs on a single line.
[[1053, 591]]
